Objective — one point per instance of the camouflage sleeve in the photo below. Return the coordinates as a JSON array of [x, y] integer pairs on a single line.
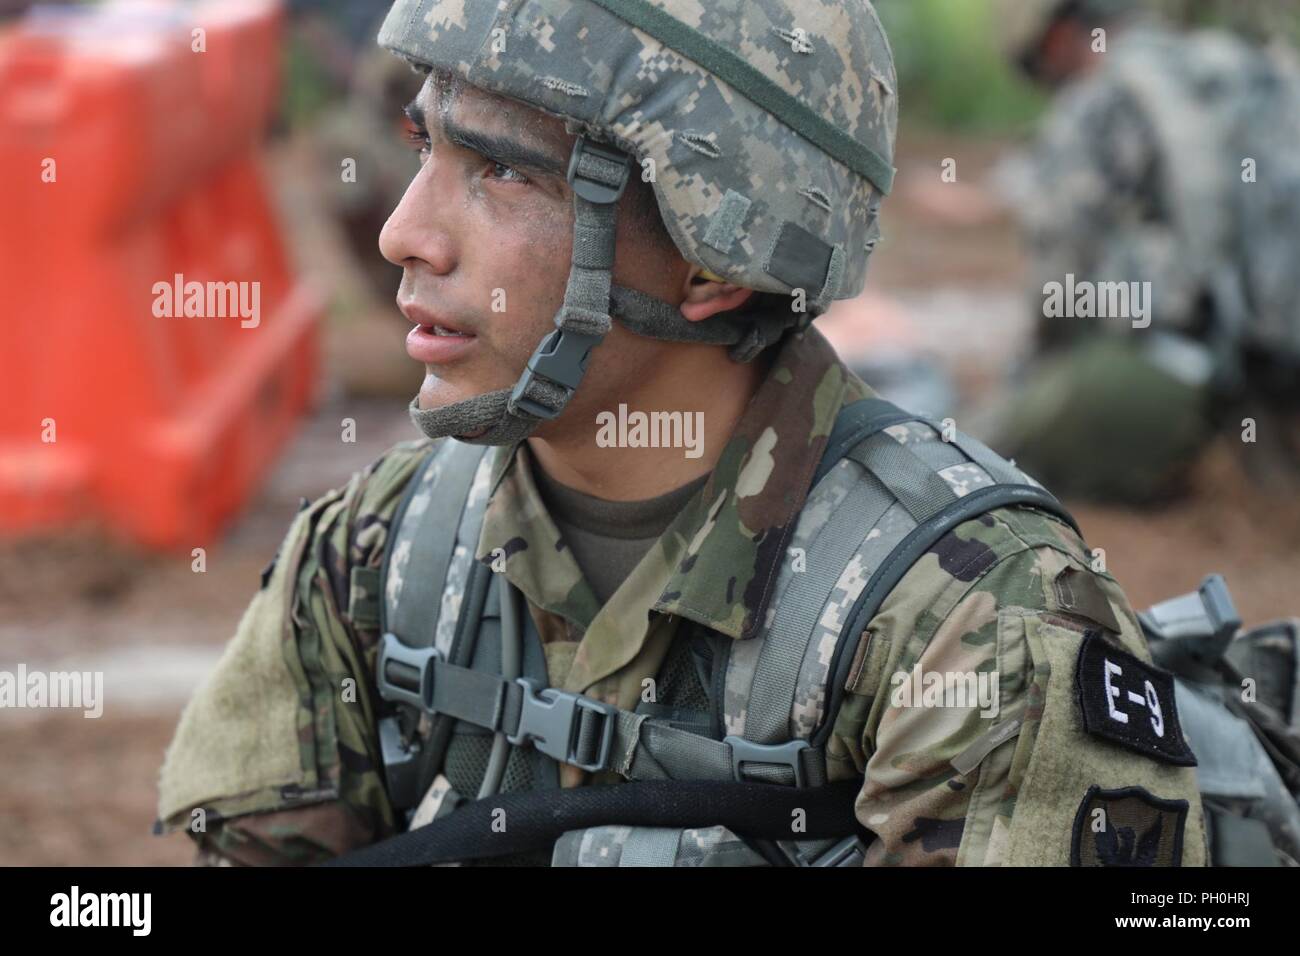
[[962, 707], [275, 759], [1089, 198]]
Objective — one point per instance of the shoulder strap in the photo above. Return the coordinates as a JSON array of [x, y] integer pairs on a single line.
[[864, 525], [857, 421], [889, 507], [430, 590], [897, 505], [433, 519]]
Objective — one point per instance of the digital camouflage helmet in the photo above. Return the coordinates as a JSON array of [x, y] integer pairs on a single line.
[[766, 128]]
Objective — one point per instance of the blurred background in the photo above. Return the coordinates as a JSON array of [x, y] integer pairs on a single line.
[[150, 465]]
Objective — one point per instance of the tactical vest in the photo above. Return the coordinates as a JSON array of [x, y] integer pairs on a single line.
[[732, 714]]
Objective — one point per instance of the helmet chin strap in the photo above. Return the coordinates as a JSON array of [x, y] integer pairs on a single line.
[[599, 176]]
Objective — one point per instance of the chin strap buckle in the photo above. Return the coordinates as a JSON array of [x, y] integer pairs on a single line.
[[560, 358], [598, 175]]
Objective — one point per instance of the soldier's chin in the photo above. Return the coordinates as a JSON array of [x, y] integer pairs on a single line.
[[439, 393]]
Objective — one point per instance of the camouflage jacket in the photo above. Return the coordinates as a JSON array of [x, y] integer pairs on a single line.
[[276, 758], [1092, 195]]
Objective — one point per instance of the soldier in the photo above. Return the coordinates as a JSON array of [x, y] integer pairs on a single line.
[[684, 551], [1149, 179]]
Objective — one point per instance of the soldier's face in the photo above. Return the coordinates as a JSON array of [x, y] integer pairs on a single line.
[[484, 238]]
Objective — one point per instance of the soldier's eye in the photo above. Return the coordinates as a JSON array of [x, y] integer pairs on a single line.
[[506, 173], [418, 138]]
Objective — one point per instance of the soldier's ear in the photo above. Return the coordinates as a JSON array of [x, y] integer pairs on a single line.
[[706, 295]]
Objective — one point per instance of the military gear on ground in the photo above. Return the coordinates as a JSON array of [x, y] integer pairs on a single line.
[[737, 650], [1108, 420], [766, 128], [365, 165], [1237, 696]]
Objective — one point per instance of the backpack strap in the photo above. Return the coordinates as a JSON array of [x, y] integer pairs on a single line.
[[431, 591], [432, 521], [893, 494], [895, 485]]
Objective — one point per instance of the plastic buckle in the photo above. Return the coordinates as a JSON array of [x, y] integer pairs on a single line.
[[1220, 610], [784, 755], [594, 190], [1193, 630], [551, 719], [560, 358], [401, 771], [850, 851], [405, 674]]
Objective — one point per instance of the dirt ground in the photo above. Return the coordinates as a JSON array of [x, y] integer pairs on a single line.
[[77, 791]]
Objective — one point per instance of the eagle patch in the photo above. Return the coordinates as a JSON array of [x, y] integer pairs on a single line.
[[1128, 827]]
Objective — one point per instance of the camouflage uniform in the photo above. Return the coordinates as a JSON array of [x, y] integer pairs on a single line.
[[1010, 592], [1094, 202], [280, 747]]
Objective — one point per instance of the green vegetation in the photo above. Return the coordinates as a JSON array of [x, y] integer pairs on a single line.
[[951, 69]]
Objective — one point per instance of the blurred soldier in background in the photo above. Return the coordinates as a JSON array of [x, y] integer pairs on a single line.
[[1171, 159], [367, 129]]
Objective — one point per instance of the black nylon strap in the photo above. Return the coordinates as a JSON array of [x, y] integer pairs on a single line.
[[535, 819], [485, 700]]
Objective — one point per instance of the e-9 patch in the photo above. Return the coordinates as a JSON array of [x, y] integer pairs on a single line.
[[1129, 702]]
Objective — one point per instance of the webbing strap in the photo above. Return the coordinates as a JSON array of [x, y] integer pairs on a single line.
[[648, 750], [974, 449], [737, 72], [598, 175], [651, 846], [908, 552], [915, 484], [855, 422], [587, 733], [784, 646], [428, 529]]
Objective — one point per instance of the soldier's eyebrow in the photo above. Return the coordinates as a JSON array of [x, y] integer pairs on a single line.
[[498, 148], [415, 113]]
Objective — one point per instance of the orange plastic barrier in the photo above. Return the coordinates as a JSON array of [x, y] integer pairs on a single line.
[[130, 171]]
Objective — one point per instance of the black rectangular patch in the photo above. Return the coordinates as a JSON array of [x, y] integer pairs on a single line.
[[1128, 827], [800, 260], [1129, 702]]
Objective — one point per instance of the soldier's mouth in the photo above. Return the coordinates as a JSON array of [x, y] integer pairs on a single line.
[[437, 345]]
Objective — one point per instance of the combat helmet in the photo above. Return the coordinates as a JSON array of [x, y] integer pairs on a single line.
[[766, 128]]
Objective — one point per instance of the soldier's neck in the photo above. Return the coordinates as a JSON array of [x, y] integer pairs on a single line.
[[608, 450]]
